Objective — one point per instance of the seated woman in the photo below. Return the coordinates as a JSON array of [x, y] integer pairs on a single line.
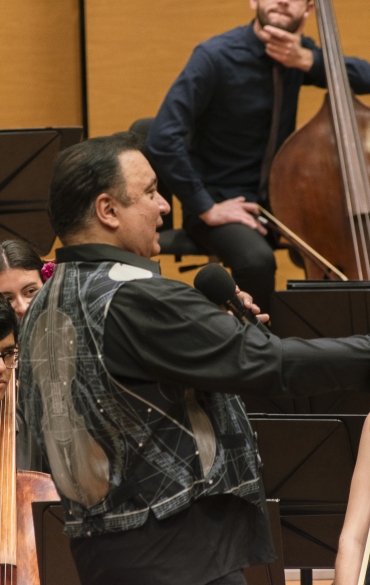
[[356, 526], [22, 274]]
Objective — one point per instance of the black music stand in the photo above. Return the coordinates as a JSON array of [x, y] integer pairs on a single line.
[[308, 464], [27, 158], [56, 565], [313, 309]]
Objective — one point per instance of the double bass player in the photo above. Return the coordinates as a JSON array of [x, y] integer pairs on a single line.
[[224, 98]]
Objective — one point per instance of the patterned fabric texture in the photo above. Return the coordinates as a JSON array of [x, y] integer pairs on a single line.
[[115, 452]]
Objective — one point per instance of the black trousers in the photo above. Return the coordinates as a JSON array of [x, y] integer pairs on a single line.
[[244, 250], [236, 578], [99, 561]]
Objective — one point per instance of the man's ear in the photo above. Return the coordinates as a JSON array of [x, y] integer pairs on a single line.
[[253, 4], [105, 209], [309, 9]]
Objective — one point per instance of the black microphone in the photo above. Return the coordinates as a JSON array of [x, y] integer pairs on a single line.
[[219, 287]]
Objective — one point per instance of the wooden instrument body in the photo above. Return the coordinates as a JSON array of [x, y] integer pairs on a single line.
[[326, 197], [32, 486], [306, 189], [18, 558]]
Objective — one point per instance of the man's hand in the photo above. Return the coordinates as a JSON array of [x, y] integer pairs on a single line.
[[247, 301], [233, 211], [286, 48]]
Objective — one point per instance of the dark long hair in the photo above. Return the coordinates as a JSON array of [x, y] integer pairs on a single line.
[[19, 254], [8, 319]]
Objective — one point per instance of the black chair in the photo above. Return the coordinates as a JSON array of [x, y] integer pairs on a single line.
[[173, 241]]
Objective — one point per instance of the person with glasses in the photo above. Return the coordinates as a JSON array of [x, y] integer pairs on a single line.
[[28, 453], [22, 275], [8, 344]]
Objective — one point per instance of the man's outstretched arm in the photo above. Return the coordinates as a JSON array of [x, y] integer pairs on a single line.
[[168, 332]]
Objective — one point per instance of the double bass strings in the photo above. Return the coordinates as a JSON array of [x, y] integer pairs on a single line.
[[8, 533], [353, 165]]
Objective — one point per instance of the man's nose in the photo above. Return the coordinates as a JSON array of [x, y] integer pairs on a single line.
[[164, 206]]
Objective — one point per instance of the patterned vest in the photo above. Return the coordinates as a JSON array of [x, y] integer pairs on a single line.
[[115, 452]]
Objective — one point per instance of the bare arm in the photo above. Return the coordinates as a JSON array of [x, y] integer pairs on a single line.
[[357, 521]]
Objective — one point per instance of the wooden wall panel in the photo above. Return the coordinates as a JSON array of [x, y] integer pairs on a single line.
[[136, 49], [40, 63]]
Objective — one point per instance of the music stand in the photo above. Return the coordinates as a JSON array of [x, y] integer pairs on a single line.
[[27, 160], [308, 464], [312, 310]]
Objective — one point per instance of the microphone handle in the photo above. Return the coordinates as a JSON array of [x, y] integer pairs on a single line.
[[244, 315]]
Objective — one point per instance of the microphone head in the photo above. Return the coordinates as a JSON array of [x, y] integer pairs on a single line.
[[215, 283]]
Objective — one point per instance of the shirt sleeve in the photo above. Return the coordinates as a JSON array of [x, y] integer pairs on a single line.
[[165, 331], [166, 150], [358, 70]]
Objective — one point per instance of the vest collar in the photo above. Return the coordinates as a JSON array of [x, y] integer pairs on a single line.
[[104, 253]]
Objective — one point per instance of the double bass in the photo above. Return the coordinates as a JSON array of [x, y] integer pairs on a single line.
[[319, 180], [18, 558]]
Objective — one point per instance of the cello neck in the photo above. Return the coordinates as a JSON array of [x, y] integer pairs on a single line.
[[8, 513], [350, 148]]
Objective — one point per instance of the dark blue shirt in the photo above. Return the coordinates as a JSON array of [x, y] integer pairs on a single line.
[[224, 98]]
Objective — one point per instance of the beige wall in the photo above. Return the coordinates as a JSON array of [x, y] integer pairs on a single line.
[[39, 64], [136, 49]]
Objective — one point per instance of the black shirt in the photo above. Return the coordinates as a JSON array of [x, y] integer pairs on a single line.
[[167, 331], [224, 98]]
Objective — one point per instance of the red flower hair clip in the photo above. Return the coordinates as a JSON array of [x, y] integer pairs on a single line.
[[47, 270]]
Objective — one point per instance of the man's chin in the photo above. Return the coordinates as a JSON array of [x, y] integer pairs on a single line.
[[279, 21], [156, 249]]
